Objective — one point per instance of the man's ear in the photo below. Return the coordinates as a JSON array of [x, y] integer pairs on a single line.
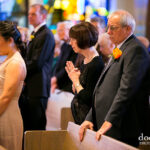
[[44, 16], [129, 30]]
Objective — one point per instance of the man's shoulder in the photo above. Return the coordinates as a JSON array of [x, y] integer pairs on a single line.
[[65, 47], [44, 33], [133, 48], [132, 43], [44, 30]]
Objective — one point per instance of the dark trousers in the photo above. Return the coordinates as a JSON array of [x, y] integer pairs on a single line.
[[44, 102], [131, 141], [33, 113]]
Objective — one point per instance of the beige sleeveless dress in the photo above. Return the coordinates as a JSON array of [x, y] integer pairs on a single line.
[[11, 124]]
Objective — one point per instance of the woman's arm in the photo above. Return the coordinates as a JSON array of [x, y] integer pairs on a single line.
[[13, 75]]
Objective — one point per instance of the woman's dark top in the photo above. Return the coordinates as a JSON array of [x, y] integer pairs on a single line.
[[66, 54], [82, 101]]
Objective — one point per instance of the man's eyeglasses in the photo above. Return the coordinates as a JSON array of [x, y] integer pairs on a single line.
[[112, 28]]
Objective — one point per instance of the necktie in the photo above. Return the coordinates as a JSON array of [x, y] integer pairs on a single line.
[[31, 37], [32, 33], [105, 68]]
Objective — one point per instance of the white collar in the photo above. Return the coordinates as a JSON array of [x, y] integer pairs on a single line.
[[39, 26]]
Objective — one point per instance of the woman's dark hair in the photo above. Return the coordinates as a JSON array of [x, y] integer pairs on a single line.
[[7, 30], [85, 34]]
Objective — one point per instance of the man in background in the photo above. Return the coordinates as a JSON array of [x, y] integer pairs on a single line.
[[106, 47], [99, 24], [39, 62], [60, 79]]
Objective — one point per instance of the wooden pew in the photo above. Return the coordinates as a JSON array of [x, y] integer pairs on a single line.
[[58, 112], [66, 116], [2, 148], [48, 140], [59, 120], [69, 140]]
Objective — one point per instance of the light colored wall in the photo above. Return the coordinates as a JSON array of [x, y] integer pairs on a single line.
[[127, 5], [138, 8]]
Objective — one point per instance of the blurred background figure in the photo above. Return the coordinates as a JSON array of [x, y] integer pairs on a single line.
[[57, 50], [60, 79], [83, 38], [106, 47], [99, 24], [25, 38], [145, 42], [12, 75], [24, 34], [61, 86]]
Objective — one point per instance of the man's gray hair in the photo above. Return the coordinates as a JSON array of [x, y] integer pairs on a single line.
[[126, 19], [100, 20], [67, 24], [104, 36]]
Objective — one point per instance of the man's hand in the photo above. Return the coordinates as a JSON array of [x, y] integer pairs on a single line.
[[104, 128], [85, 125], [53, 84]]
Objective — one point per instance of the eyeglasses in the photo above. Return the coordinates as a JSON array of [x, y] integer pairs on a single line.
[[112, 28]]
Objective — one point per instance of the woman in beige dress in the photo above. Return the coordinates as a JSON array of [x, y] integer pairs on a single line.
[[12, 75]]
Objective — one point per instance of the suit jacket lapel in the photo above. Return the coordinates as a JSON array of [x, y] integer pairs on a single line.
[[123, 47], [35, 34], [111, 61], [42, 28]]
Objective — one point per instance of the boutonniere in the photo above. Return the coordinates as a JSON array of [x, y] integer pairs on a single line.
[[32, 37], [116, 53]]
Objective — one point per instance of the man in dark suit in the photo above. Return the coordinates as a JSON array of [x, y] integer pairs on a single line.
[[39, 62], [120, 100]]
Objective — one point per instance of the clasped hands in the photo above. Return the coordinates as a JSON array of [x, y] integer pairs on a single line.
[[89, 125], [72, 72]]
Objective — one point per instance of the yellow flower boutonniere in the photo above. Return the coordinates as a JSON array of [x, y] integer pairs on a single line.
[[116, 53], [32, 37]]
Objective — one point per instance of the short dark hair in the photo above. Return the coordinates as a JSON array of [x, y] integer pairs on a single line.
[[42, 8], [85, 34], [100, 20]]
